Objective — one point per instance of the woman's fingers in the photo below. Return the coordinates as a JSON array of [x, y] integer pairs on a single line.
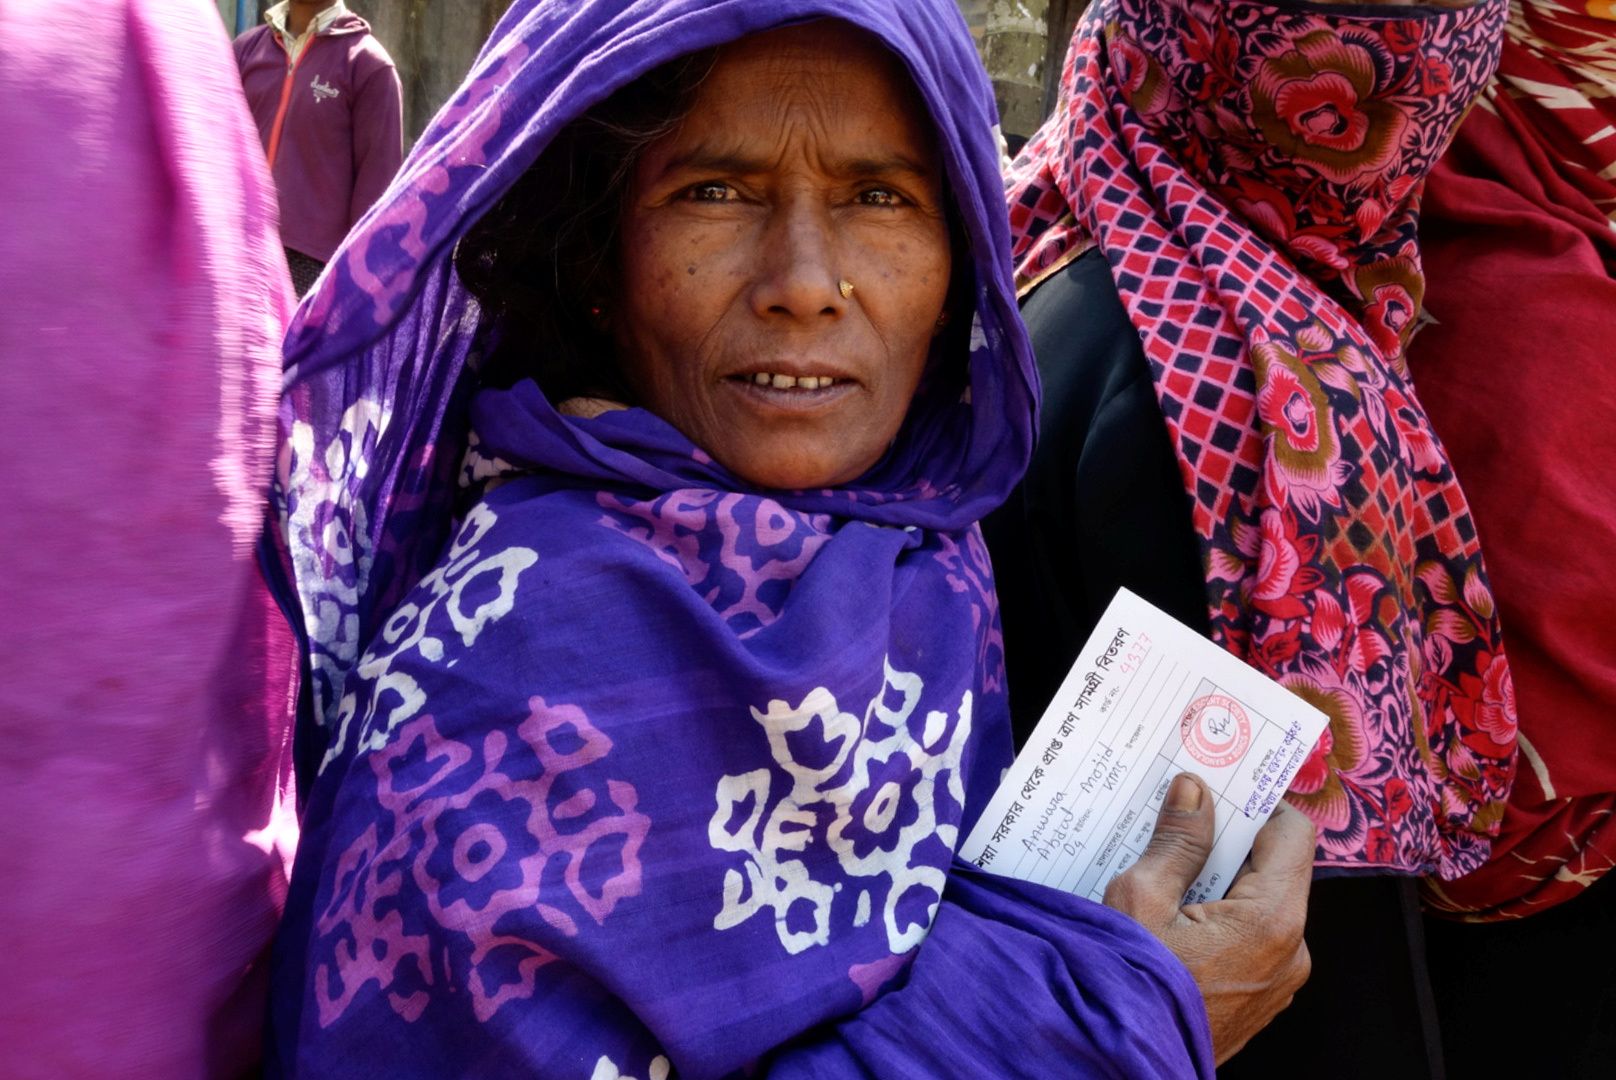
[[1246, 950], [1285, 844], [1152, 889], [1279, 870]]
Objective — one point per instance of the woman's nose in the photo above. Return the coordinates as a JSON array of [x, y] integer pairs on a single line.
[[797, 273]]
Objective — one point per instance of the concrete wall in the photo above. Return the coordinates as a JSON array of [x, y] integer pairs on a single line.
[[1063, 16], [1015, 42], [433, 42]]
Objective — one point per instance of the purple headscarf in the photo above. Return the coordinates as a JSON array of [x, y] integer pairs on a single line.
[[647, 769]]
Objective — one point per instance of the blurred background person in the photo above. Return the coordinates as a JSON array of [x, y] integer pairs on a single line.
[[146, 681], [330, 112], [1217, 250], [1519, 236]]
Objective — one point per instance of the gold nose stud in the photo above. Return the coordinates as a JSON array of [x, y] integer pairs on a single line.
[[846, 288]]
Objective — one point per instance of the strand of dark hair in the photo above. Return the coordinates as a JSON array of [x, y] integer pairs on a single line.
[[544, 260]]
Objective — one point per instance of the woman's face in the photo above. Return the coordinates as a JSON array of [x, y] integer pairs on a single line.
[[806, 162]]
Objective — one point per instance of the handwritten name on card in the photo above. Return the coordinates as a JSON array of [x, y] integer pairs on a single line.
[[1146, 699]]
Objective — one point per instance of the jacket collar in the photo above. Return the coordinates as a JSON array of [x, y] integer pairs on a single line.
[[277, 15]]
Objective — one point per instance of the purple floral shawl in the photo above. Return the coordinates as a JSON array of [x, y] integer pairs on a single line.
[[631, 770]]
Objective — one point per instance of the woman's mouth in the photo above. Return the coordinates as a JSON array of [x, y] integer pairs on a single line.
[[776, 381], [776, 392]]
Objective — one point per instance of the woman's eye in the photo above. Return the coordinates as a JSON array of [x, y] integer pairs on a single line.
[[712, 191], [880, 197]]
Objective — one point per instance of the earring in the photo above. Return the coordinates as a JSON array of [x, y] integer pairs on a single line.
[[942, 320]]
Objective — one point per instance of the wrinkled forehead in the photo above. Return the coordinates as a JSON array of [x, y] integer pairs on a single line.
[[824, 49], [821, 73]]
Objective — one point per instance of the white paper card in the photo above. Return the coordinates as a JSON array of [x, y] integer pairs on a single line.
[[1148, 698]]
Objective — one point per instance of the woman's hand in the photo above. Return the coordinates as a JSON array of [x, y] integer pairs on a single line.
[[1246, 950]]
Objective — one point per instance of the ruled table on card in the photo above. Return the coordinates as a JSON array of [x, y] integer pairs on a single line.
[[1146, 699]]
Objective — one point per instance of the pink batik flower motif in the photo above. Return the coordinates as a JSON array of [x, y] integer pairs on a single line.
[[362, 938], [763, 548], [670, 526], [495, 839], [782, 543], [463, 135], [970, 573]]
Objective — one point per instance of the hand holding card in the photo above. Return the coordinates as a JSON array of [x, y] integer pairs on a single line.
[[1147, 782], [1246, 950], [1148, 698]]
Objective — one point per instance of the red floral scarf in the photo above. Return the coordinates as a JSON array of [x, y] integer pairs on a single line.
[[1523, 210], [1252, 171]]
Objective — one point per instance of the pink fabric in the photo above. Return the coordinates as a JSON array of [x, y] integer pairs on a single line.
[[146, 678]]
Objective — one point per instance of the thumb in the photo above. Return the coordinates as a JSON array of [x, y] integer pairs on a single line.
[[1152, 889], [1281, 861]]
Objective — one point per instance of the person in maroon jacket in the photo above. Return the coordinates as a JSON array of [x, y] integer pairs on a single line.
[[330, 111]]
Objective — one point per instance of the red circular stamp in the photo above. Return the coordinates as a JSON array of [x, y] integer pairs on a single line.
[[1215, 730]]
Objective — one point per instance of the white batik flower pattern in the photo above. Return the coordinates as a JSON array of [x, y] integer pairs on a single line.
[[326, 527], [393, 696], [876, 782]]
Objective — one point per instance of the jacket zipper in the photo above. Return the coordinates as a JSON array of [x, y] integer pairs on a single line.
[[286, 99]]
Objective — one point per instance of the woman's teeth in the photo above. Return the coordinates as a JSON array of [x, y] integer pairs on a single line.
[[789, 382]]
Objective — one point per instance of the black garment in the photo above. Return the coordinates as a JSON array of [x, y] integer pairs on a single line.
[[1103, 505], [1367, 1012], [305, 270], [1531, 997]]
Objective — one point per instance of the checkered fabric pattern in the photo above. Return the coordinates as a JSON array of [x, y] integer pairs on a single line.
[[1323, 501]]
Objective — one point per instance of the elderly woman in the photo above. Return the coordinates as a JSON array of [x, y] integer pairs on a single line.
[[636, 441]]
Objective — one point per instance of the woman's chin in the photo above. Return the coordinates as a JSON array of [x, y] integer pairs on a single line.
[[795, 468], [793, 440]]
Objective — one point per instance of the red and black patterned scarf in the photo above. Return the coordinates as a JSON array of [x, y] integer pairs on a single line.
[[1252, 173]]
